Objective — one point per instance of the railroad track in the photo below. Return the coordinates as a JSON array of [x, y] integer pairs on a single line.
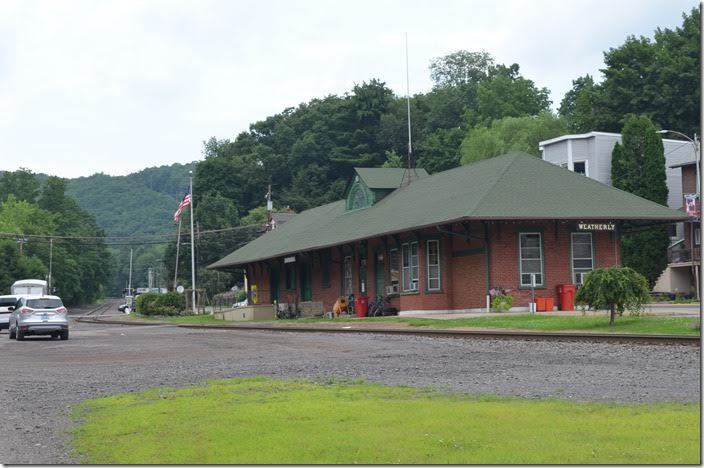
[[96, 316], [97, 311], [477, 334]]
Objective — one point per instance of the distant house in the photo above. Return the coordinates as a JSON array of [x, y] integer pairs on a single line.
[[684, 256], [442, 242], [590, 154]]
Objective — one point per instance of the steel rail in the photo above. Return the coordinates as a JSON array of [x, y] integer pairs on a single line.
[[479, 334]]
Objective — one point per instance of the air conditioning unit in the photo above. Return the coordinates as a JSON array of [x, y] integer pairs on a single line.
[[578, 278], [393, 289], [413, 286]]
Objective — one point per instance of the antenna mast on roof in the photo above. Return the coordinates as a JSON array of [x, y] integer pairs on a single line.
[[409, 174]]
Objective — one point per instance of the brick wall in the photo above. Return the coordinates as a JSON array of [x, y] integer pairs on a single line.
[[463, 275]]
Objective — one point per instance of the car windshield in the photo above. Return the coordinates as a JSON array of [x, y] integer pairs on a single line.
[[44, 303]]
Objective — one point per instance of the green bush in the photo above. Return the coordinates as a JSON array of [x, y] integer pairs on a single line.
[[615, 289], [160, 304]]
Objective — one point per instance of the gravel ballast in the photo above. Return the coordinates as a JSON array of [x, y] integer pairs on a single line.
[[42, 379]]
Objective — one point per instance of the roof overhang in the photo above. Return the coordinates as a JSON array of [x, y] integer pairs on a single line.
[[626, 225]]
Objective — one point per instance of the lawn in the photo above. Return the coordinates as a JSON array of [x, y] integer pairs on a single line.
[[594, 324], [266, 421]]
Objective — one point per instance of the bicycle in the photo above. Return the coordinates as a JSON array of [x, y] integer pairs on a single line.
[[381, 307]]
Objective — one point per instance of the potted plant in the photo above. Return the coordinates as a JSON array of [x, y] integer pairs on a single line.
[[501, 299]]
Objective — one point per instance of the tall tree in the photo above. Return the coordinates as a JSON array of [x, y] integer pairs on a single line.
[[656, 77], [22, 184], [638, 166], [510, 134]]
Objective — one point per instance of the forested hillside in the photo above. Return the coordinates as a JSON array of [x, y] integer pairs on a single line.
[[136, 204]]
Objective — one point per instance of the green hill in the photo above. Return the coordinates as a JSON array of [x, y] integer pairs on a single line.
[[142, 203]]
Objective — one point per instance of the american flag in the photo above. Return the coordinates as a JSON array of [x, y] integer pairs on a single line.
[[184, 203]]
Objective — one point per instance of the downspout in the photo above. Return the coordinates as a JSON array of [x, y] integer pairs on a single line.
[[487, 247]]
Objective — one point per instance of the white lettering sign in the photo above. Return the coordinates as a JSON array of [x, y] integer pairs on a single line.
[[289, 259], [596, 226]]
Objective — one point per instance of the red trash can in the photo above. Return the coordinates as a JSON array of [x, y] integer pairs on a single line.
[[565, 292], [361, 304]]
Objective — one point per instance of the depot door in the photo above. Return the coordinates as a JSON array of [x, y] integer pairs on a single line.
[[306, 293]]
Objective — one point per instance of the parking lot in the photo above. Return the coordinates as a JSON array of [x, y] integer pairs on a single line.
[[43, 378]]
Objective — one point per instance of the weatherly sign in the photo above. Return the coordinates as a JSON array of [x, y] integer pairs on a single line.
[[596, 226]]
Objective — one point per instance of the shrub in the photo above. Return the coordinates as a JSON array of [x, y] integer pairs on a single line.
[[616, 289], [501, 299], [160, 304]]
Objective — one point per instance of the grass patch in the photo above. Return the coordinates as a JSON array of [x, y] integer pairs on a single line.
[[595, 324], [266, 421]]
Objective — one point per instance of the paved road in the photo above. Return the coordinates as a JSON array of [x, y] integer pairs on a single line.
[[42, 379]]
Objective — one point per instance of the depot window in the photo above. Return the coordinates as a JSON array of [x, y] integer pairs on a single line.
[[409, 270], [582, 256], [531, 258], [432, 254]]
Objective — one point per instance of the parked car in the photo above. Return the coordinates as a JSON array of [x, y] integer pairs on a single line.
[[6, 303], [39, 315]]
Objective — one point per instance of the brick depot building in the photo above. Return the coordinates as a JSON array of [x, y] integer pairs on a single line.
[[440, 243]]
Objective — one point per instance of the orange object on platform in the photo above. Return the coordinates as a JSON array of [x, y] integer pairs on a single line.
[[540, 304], [361, 304], [549, 304], [566, 294]]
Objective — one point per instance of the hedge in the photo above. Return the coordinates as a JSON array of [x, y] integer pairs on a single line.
[[160, 304]]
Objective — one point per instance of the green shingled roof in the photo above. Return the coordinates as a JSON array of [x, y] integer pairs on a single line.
[[513, 186], [385, 177]]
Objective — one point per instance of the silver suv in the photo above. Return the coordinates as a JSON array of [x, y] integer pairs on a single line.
[[39, 315]]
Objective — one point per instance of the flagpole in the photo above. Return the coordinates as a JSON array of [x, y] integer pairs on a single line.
[[193, 252], [178, 244]]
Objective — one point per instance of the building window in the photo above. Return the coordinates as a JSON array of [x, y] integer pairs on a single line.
[[394, 273], [582, 255], [409, 253], [347, 277], [325, 261], [432, 254], [697, 234], [531, 258], [580, 167], [290, 272]]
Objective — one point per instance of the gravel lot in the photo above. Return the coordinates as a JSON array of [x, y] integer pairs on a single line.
[[42, 379]]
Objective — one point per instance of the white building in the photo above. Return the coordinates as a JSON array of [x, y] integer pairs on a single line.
[[590, 154]]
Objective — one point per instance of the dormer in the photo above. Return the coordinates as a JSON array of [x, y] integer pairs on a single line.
[[370, 184]]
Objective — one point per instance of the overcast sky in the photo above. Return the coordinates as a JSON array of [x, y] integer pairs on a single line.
[[117, 86]]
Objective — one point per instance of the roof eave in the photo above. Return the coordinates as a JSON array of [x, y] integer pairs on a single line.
[[659, 219]]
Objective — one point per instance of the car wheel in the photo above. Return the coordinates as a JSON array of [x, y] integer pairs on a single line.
[[12, 333], [64, 335], [20, 335]]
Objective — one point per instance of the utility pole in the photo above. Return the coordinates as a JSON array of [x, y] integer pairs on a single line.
[[193, 251], [51, 258], [269, 210], [129, 287]]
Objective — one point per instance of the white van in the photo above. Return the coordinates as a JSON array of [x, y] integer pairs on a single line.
[[33, 287]]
